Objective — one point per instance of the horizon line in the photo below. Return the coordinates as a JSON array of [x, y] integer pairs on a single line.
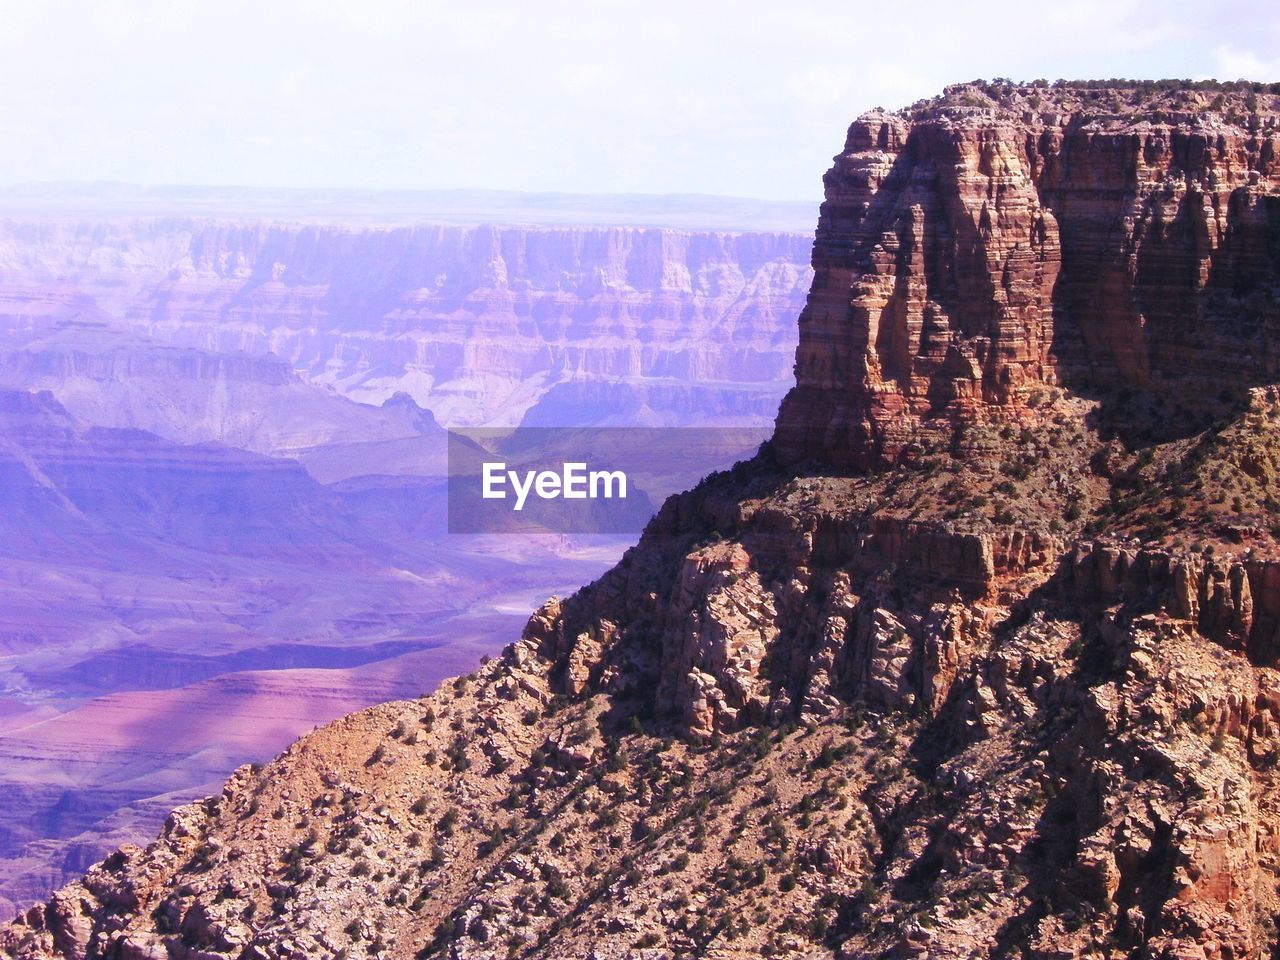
[[30, 185]]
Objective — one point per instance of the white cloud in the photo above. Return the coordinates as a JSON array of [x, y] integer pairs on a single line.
[[1234, 64]]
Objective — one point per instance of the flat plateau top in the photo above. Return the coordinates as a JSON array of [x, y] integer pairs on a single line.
[[1108, 105]]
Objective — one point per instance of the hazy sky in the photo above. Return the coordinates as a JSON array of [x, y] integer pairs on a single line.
[[744, 98]]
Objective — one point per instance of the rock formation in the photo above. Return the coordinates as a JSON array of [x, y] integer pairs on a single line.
[[475, 323], [980, 657], [974, 251]]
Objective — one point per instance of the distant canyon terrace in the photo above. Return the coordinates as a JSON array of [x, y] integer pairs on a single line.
[[979, 656]]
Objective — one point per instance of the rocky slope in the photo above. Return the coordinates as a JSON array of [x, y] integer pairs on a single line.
[[977, 658]]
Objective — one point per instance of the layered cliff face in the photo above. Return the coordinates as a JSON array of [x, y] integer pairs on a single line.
[[979, 658], [477, 324], [971, 251]]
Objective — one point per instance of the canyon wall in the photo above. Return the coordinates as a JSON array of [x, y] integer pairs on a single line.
[[976, 249], [475, 323], [169, 611]]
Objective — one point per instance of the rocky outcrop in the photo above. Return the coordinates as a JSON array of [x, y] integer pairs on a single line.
[[1235, 600], [977, 247]]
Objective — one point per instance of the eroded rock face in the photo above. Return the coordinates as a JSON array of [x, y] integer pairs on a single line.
[[975, 248], [479, 324]]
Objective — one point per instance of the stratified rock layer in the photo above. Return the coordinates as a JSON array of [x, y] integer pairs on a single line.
[[476, 323], [973, 249]]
